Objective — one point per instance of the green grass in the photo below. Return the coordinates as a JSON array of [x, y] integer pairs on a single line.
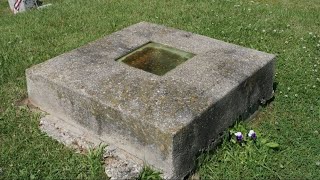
[[289, 29], [148, 173]]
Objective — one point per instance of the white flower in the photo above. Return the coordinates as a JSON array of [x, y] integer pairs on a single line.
[[239, 136], [252, 134]]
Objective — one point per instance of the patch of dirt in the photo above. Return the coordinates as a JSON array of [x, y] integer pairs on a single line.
[[22, 102], [26, 102]]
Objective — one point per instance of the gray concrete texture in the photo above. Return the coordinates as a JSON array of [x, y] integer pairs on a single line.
[[162, 120]]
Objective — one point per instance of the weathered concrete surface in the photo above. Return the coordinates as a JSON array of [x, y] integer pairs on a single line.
[[118, 163], [163, 120]]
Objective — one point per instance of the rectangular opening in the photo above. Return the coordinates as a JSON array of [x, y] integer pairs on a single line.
[[156, 58]]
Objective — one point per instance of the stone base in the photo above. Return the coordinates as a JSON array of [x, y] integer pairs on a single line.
[[162, 120], [118, 163]]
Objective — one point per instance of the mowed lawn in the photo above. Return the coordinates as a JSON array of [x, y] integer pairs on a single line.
[[288, 28]]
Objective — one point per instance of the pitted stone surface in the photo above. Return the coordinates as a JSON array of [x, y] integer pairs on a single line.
[[163, 120], [118, 164]]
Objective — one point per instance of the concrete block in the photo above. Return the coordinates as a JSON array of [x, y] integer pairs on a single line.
[[164, 120]]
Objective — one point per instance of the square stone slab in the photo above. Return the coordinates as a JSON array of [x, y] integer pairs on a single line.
[[166, 119]]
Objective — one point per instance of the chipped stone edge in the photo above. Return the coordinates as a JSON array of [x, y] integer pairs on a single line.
[[118, 163]]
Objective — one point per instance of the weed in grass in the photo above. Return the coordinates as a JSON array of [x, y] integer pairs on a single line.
[[96, 163], [148, 173], [244, 149], [237, 136]]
